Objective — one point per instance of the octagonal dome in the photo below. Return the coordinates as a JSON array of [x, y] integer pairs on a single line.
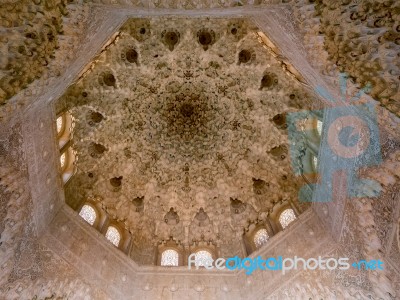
[[184, 114]]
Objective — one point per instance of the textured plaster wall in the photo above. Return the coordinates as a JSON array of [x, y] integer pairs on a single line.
[[42, 159], [98, 261]]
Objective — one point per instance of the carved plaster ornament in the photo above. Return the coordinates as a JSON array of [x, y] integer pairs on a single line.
[[168, 121]]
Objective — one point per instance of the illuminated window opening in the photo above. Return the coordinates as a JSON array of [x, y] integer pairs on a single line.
[[88, 214], [170, 258], [67, 159], [315, 162], [60, 124], [64, 124], [203, 258], [62, 160], [319, 127], [261, 237], [113, 235], [287, 217]]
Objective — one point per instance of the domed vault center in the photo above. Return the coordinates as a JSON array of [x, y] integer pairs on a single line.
[[137, 134]]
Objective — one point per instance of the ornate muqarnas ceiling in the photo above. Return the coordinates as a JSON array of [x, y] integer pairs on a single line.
[[178, 130]]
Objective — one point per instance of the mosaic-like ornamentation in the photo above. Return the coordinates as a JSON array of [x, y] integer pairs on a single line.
[[173, 112]]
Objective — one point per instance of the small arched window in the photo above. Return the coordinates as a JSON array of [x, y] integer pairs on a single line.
[[113, 235], [67, 159], [88, 214], [64, 124], [261, 237], [287, 217], [60, 124], [315, 162], [319, 127], [203, 258], [62, 160], [170, 258]]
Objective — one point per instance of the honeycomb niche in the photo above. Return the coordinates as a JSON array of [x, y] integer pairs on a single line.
[[168, 114]]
